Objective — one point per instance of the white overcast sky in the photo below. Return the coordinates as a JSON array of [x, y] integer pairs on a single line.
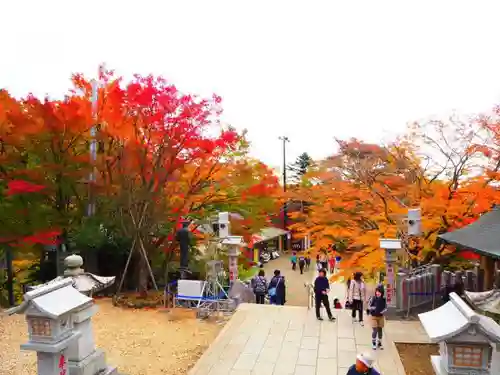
[[310, 70]]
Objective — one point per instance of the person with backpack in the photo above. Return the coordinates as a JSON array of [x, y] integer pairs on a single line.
[[259, 286], [308, 261], [356, 296], [377, 306], [277, 289], [302, 263]]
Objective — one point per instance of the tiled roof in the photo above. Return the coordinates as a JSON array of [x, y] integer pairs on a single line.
[[482, 236]]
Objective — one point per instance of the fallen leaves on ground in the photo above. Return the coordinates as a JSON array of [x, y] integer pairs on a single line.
[[416, 358], [137, 342]]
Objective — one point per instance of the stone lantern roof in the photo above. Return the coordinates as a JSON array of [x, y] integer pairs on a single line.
[[488, 302], [456, 317], [47, 300], [84, 282]]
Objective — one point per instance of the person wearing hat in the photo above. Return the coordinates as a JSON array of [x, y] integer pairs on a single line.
[[363, 366]]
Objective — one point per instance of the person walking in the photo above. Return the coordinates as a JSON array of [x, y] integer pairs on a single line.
[[377, 308], [319, 266], [321, 289], [324, 261], [308, 261], [337, 262], [363, 366], [259, 286], [348, 287], [302, 263], [277, 289], [357, 293], [293, 260], [331, 263]]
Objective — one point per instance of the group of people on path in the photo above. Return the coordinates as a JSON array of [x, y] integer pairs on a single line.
[[323, 261], [356, 294], [304, 262], [275, 289], [355, 300]]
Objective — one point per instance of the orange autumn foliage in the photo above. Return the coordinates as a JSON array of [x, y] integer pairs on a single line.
[[363, 192]]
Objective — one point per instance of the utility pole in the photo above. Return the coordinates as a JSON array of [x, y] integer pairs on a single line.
[[93, 148], [91, 208], [285, 213]]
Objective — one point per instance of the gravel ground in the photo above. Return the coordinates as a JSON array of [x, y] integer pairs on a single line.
[[139, 342], [416, 358]]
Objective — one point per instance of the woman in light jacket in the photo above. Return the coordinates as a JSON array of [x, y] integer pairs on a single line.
[[356, 296]]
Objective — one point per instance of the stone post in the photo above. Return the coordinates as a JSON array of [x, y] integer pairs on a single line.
[[480, 280], [436, 282], [233, 254], [233, 244], [391, 246], [400, 298], [83, 357], [469, 281], [488, 266], [446, 281], [497, 279]]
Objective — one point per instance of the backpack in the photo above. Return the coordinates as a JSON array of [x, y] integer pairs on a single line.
[[259, 285]]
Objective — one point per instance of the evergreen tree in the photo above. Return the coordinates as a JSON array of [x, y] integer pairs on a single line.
[[299, 167]]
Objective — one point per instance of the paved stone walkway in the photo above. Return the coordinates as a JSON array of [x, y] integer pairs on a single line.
[[296, 293], [286, 340]]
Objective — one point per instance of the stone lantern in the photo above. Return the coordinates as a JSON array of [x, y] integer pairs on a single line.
[[60, 330], [233, 243], [468, 341]]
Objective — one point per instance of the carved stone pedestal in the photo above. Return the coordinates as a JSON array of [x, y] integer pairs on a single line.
[[83, 357], [92, 365]]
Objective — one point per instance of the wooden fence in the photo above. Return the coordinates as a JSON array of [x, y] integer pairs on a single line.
[[429, 286]]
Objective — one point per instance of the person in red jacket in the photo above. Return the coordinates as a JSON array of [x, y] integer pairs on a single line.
[[337, 304], [331, 263]]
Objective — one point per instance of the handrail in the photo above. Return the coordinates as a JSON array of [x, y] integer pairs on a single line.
[[310, 295]]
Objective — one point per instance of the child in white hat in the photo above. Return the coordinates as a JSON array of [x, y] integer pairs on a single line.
[[363, 366]]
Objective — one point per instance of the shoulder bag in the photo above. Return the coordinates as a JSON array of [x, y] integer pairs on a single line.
[[272, 291]]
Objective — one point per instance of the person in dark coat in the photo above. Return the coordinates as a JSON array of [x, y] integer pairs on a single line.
[[377, 308], [321, 289], [302, 263], [363, 366], [308, 261], [277, 289]]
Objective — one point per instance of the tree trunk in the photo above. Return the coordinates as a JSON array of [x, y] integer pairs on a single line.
[[142, 277]]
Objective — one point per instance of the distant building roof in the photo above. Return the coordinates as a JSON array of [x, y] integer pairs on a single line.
[[267, 234], [482, 236], [455, 317]]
